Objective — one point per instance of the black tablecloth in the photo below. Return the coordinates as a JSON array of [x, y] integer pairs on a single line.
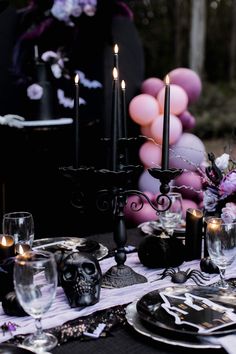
[[123, 338]]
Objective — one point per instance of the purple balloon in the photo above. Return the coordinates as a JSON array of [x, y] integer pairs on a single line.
[[188, 153], [188, 120], [188, 80], [148, 183], [152, 86], [190, 185]]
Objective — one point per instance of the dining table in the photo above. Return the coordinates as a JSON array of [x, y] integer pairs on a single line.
[[121, 336]]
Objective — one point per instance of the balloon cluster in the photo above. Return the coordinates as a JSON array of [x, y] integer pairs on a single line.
[[187, 151]]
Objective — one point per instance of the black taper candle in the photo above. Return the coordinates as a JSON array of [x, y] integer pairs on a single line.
[[77, 138], [193, 234], [115, 119], [166, 126]]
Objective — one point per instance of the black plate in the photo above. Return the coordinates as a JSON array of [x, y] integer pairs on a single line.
[[13, 349], [153, 315]]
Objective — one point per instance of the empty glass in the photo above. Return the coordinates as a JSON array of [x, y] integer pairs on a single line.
[[171, 218], [35, 282], [20, 225], [221, 245]]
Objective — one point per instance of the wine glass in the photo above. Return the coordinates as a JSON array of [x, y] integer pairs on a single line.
[[171, 218], [35, 282], [20, 225], [221, 245]]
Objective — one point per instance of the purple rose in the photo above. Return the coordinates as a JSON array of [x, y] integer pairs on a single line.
[[210, 200], [229, 213], [228, 184]]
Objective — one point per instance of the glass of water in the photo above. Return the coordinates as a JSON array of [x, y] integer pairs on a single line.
[[20, 225], [35, 282], [171, 218]]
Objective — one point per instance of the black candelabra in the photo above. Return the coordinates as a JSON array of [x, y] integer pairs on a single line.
[[113, 184]]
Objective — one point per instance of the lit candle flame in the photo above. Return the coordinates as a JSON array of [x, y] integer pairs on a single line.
[[123, 85], [167, 80], [115, 74], [4, 241], [194, 212], [214, 224], [20, 250], [76, 79], [116, 49]]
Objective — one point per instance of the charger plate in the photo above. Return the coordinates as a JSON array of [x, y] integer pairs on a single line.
[[72, 244], [136, 322], [157, 319], [155, 228]]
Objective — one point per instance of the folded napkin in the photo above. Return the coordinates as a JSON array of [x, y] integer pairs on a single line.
[[227, 342]]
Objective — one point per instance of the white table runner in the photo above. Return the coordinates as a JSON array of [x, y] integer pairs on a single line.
[[60, 312]]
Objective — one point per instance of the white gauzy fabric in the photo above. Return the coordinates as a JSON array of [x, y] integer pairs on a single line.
[[60, 311]]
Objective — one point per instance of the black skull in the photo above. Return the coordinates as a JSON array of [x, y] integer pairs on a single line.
[[80, 276]]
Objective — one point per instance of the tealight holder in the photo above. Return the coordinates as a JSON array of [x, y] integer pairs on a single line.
[[21, 248]]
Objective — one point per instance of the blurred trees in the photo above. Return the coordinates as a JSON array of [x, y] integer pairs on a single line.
[[165, 27]]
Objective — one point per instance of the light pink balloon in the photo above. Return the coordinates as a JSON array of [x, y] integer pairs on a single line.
[[148, 183], [187, 203], [150, 154], [188, 120], [175, 130], [143, 109], [152, 86], [188, 153], [146, 130], [189, 80], [191, 185], [178, 99]]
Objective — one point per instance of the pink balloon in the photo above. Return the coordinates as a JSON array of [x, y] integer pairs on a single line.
[[150, 154], [188, 80], [188, 153], [148, 183], [146, 130], [190, 183], [188, 120], [187, 203], [143, 109], [175, 131], [178, 99], [152, 86]]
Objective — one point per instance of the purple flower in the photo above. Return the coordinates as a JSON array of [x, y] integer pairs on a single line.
[[229, 213], [35, 92], [228, 184], [210, 200]]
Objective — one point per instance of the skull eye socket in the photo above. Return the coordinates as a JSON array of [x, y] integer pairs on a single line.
[[69, 274], [89, 268]]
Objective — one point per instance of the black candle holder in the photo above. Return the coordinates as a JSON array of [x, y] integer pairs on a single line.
[[112, 193]]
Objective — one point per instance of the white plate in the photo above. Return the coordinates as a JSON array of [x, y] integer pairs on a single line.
[[69, 243], [134, 320]]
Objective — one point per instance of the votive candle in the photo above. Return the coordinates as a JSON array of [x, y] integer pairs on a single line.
[[7, 247]]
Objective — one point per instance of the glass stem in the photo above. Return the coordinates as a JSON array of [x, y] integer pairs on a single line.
[[39, 329], [223, 283]]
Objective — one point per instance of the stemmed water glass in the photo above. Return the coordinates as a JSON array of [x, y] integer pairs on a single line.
[[20, 225], [171, 218], [221, 245], [35, 282]]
